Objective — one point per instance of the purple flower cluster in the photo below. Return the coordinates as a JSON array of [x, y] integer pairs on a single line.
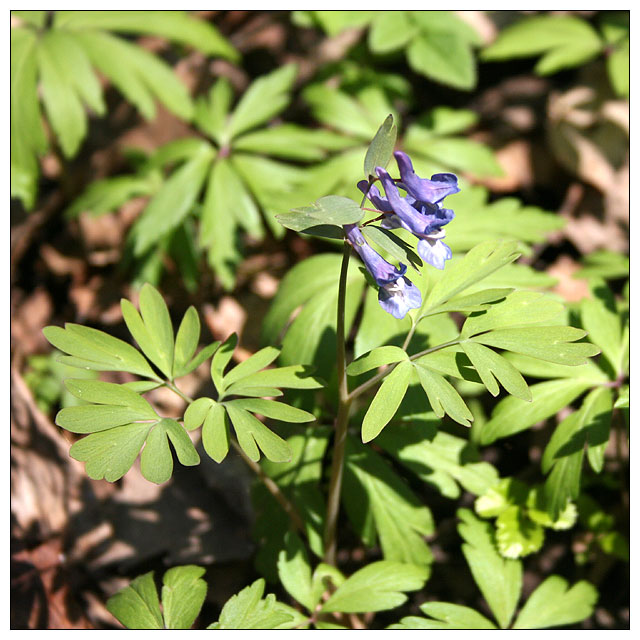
[[420, 212]]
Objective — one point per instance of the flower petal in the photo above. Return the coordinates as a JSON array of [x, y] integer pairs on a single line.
[[439, 187], [378, 201], [399, 297], [434, 251]]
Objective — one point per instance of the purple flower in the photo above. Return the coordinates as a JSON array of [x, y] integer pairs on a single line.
[[396, 293], [420, 211]]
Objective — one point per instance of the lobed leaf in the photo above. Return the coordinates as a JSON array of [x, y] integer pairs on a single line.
[[378, 586], [183, 594], [445, 615], [552, 604], [137, 606], [499, 579]]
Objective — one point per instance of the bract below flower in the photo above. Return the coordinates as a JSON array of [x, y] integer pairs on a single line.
[[396, 293]]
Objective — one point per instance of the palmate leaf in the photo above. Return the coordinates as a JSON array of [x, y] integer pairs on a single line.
[[120, 421], [378, 586], [380, 505], [249, 610]]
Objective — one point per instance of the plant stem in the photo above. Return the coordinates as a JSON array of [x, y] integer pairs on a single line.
[[269, 483], [272, 487], [342, 419]]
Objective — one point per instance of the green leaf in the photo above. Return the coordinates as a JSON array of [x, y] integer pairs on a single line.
[[376, 358], [292, 377], [186, 341], [109, 454], [445, 615], [478, 301], [443, 57], [27, 133], [177, 26], [93, 349], [499, 579], [67, 53], [306, 279], [264, 98], [341, 111], [291, 141], [599, 317], [62, 103], [271, 409], [552, 344], [381, 147], [493, 368], [516, 534], [137, 606], [479, 263], [520, 309], [513, 415], [251, 365], [443, 398], [183, 594], [376, 587], [391, 30], [215, 433], [218, 229], [117, 405], [156, 462], [604, 264], [564, 41], [437, 457], [173, 202], [597, 422], [378, 502], [552, 604], [459, 154], [248, 610], [151, 328], [221, 359], [386, 401], [294, 571], [618, 69], [104, 196], [211, 112], [252, 434], [35, 18], [197, 360], [329, 210]]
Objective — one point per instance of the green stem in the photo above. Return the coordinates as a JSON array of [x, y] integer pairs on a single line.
[[342, 420], [269, 483], [273, 489]]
